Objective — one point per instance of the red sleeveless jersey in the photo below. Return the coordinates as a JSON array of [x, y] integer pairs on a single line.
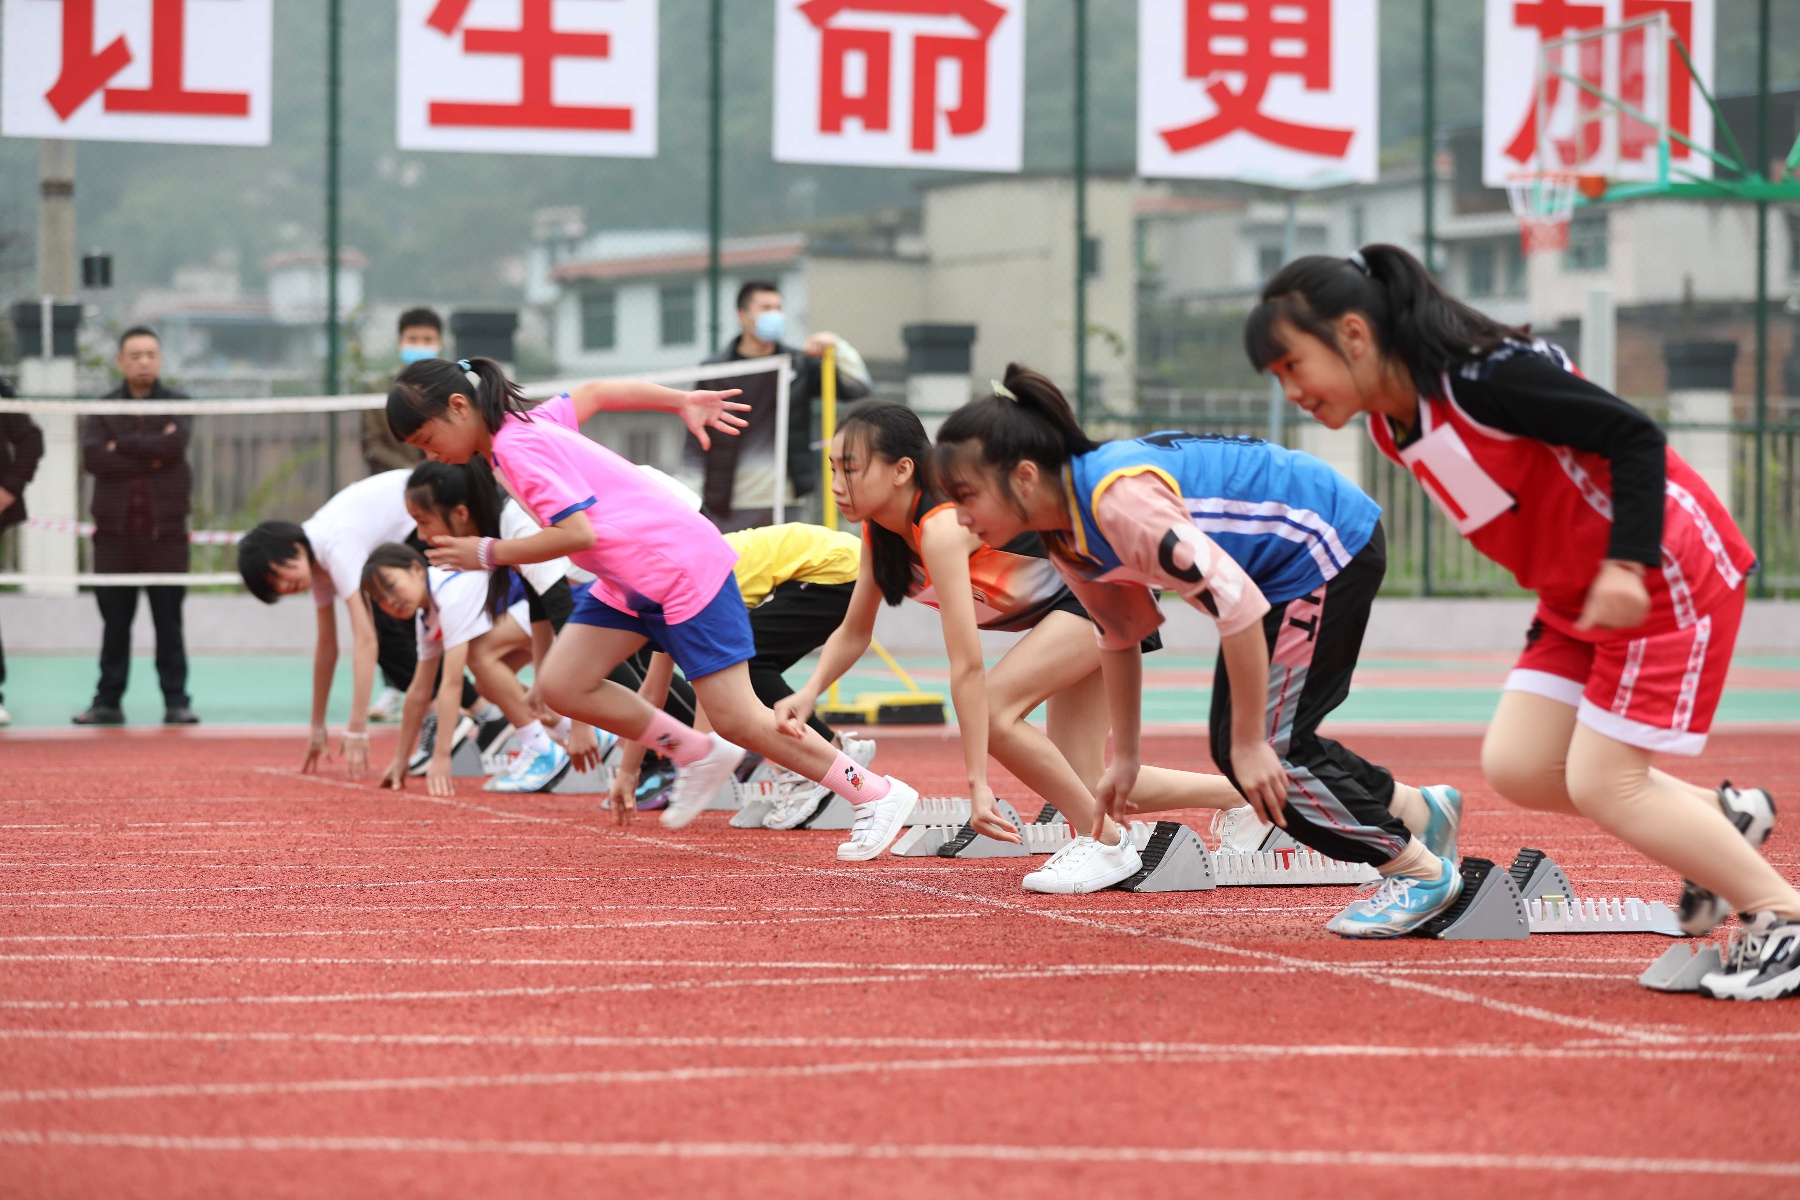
[[1544, 512]]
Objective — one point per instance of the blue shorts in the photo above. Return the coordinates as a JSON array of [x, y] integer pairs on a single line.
[[716, 637]]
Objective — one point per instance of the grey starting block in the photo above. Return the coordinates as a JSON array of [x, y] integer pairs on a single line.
[[1551, 905], [584, 783], [1174, 860], [1679, 970], [836, 813], [967, 843], [1290, 866], [1489, 909], [754, 801], [465, 761]]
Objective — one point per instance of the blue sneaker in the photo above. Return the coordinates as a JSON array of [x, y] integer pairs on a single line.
[[1399, 904], [1445, 803], [531, 772]]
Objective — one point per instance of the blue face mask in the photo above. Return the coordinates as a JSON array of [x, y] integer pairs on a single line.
[[771, 325], [413, 354]]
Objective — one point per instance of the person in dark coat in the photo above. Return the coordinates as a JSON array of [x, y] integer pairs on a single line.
[[142, 488], [21, 446]]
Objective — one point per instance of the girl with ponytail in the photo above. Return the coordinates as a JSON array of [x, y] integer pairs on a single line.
[[663, 578], [1639, 571], [881, 468], [1276, 547]]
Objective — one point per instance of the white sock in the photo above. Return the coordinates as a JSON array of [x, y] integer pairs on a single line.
[[533, 738], [561, 728]]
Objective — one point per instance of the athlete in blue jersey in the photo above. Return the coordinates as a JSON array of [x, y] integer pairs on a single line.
[[1285, 554]]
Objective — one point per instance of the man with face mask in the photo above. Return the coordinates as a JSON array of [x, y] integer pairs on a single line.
[[737, 479], [421, 337]]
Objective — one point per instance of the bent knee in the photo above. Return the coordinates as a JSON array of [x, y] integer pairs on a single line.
[[1531, 781]]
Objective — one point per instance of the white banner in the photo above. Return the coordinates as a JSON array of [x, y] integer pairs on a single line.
[[529, 76], [1278, 92], [901, 83], [138, 70], [1616, 65]]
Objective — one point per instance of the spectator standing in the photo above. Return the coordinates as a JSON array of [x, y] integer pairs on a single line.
[[142, 488], [21, 446], [421, 333], [421, 337], [738, 474]]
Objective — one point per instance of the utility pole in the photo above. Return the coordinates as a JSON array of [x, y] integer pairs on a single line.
[[333, 130], [1081, 225], [43, 373], [715, 115], [1761, 474]]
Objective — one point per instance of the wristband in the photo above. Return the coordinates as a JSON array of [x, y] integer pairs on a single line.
[[355, 737], [484, 553]]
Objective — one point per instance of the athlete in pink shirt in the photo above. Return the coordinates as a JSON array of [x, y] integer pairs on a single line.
[[663, 577]]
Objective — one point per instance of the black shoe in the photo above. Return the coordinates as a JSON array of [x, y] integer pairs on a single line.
[[181, 714], [100, 714], [1752, 811]]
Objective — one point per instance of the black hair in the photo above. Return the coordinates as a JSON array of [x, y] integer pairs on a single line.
[[894, 432], [442, 486], [422, 391], [389, 554], [138, 331], [264, 548], [414, 318], [1415, 320], [1034, 423], [750, 289]]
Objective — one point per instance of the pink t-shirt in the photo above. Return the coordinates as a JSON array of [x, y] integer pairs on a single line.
[[650, 551]]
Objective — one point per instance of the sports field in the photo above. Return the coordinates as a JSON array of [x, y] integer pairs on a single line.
[[223, 976]]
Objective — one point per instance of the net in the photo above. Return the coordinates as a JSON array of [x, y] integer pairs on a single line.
[[253, 460], [1544, 202]]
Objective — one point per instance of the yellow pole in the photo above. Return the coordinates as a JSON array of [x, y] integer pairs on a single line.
[[828, 426], [895, 667]]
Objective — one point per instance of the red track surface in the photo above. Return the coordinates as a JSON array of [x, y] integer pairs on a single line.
[[225, 979]]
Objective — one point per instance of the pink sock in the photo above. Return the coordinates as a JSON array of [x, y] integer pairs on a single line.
[[857, 784], [675, 741]]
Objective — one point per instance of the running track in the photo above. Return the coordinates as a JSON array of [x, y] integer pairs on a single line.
[[223, 978]]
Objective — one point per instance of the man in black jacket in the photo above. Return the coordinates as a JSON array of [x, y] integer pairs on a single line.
[[142, 487], [21, 445]]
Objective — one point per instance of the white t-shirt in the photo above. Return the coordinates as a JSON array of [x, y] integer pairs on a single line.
[[455, 612], [352, 523], [515, 522]]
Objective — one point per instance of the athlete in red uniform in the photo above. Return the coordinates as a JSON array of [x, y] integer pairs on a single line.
[[1638, 569]]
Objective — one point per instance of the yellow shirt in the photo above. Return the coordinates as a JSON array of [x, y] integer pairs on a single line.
[[776, 554]]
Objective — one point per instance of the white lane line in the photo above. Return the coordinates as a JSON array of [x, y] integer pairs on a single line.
[[1014, 1155], [1613, 1050], [1340, 970], [257, 868], [606, 925], [293, 887], [392, 908]]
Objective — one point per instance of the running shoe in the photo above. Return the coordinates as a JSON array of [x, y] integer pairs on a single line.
[[879, 822], [1399, 904], [654, 789], [389, 706], [528, 772], [698, 782], [491, 736], [1752, 810], [465, 729], [860, 750], [1239, 828], [1086, 865], [797, 798], [1445, 803], [1764, 963]]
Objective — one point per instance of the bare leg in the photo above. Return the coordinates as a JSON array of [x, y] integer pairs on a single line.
[[741, 718], [495, 679], [575, 680], [1525, 755]]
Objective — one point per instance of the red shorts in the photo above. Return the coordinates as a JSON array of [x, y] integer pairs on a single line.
[[1658, 692]]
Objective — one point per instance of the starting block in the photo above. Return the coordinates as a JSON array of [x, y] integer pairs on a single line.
[[940, 810], [1489, 909], [1174, 860], [967, 843], [1293, 866], [1552, 907], [754, 800], [1678, 970]]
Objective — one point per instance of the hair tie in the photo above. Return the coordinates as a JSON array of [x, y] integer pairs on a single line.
[[1000, 389], [1357, 260], [464, 363]]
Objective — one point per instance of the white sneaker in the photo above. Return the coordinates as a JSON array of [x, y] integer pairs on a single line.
[[860, 750], [698, 782], [1240, 828], [879, 823], [797, 798], [1086, 865], [389, 706]]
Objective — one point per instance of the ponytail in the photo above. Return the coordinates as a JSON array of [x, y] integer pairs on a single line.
[[442, 486], [1027, 418], [1415, 320], [422, 391], [894, 432]]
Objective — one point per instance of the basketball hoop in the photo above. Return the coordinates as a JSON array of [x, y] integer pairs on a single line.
[[1544, 202]]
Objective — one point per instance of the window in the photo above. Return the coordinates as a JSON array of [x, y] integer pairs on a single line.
[[1587, 243], [599, 320], [1515, 268], [678, 314], [1793, 230], [1090, 257], [1268, 260], [1481, 268]]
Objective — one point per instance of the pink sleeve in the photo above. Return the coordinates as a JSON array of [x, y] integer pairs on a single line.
[[1124, 613], [542, 469], [559, 411], [1154, 536]]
